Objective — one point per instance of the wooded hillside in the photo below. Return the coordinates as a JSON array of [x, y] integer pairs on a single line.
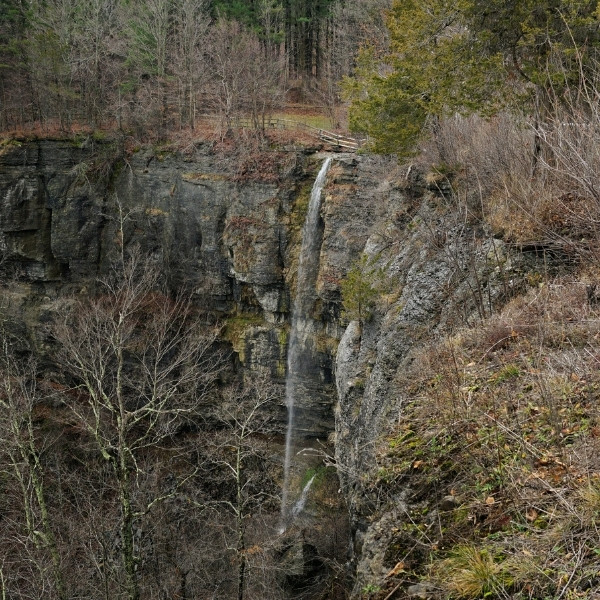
[[159, 64]]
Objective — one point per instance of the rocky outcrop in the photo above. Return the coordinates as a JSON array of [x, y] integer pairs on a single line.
[[434, 269], [68, 210], [222, 239], [60, 221]]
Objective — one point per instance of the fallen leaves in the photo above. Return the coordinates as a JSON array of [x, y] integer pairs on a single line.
[[398, 568]]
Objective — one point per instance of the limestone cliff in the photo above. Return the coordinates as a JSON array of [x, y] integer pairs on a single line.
[[434, 269], [67, 209]]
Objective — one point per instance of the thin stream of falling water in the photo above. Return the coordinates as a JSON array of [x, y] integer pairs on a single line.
[[308, 266], [299, 506]]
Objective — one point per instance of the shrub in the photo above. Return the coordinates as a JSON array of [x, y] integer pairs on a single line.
[[359, 290]]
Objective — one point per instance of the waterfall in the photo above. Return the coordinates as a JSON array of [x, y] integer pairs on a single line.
[[308, 267], [299, 506]]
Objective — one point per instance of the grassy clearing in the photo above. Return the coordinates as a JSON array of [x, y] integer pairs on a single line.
[[207, 129], [314, 119]]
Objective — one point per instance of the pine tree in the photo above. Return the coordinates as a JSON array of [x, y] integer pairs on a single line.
[[465, 56]]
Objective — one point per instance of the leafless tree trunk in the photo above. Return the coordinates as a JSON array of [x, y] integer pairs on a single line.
[[245, 417], [19, 396], [192, 22], [244, 81], [143, 364]]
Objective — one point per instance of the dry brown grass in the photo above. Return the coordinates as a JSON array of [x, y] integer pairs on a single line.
[[515, 441], [549, 197], [211, 130]]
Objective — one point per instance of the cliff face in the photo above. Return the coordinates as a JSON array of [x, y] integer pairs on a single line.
[[68, 210], [434, 270], [63, 221]]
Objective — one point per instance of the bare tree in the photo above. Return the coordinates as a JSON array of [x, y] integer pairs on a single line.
[[50, 56], [142, 364], [270, 15], [94, 64], [21, 461], [192, 22], [150, 49], [240, 453], [355, 24], [244, 83]]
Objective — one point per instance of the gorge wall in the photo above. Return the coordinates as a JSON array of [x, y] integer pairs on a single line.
[[233, 244], [67, 210]]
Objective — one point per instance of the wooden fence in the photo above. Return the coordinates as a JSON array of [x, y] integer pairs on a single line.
[[335, 139]]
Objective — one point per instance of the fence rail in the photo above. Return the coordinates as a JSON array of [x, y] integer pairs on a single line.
[[336, 139]]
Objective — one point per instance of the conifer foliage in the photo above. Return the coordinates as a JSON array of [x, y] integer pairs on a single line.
[[470, 56]]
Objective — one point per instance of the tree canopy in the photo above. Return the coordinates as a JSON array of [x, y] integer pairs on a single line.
[[449, 56], [144, 64]]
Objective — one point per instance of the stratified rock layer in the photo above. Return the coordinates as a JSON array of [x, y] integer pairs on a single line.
[[67, 211], [435, 269]]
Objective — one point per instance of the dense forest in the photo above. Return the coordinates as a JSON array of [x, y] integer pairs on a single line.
[[160, 64]]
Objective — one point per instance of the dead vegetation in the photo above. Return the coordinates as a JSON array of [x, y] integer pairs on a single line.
[[505, 481], [498, 439]]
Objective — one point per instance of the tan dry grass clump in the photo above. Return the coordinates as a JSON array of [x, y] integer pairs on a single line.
[[473, 572], [529, 183]]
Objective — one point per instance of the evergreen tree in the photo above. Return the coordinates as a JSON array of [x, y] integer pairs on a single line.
[[449, 56], [14, 20], [360, 290]]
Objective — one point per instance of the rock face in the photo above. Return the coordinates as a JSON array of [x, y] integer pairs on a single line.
[[300, 567], [67, 211], [434, 271], [223, 240]]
